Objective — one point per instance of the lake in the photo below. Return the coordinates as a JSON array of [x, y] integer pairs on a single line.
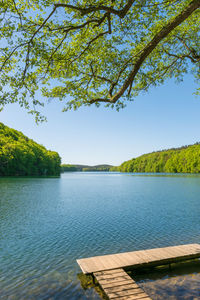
[[47, 223]]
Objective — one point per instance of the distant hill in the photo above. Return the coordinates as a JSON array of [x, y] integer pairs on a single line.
[[21, 156], [185, 159], [85, 168]]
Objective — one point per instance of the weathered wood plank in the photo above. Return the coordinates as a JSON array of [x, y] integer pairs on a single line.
[[118, 284], [114, 295], [139, 258], [115, 279], [134, 297], [115, 284], [122, 287], [109, 276], [114, 271]]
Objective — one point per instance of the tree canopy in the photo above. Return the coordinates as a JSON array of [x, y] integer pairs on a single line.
[[177, 160], [94, 51], [21, 156]]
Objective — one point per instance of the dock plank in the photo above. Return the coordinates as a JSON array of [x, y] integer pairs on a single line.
[[107, 272], [116, 284], [109, 275], [122, 287], [135, 297], [139, 258], [117, 295], [114, 280], [119, 285]]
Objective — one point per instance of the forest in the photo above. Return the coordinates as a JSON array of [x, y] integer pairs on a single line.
[[185, 159], [85, 168], [21, 156]]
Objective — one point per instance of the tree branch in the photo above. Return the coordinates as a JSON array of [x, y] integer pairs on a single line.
[[93, 75], [191, 50], [194, 5], [87, 10], [19, 14], [194, 60], [89, 44], [31, 40], [9, 56]]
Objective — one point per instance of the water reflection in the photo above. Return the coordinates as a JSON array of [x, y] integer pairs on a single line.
[[174, 175], [182, 282], [47, 223]]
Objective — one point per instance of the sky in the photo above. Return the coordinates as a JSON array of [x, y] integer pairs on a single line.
[[167, 116]]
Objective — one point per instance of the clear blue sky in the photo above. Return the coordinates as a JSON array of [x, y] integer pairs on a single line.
[[168, 116]]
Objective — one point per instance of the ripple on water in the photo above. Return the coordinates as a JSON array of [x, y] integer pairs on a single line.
[[182, 282], [47, 223]]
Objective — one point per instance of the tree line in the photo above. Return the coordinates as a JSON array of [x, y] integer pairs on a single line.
[[21, 156], [85, 168], [185, 159]]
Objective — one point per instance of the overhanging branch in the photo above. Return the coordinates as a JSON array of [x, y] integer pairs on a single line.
[[90, 9], [164, 32]]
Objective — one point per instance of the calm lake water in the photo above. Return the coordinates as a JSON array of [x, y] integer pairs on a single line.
[[47, 223]]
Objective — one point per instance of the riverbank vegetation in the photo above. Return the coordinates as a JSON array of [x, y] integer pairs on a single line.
[[21, 156], [185, 159], [85, 168]]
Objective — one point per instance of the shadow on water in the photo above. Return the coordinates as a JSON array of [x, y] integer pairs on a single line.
[[182, 281]]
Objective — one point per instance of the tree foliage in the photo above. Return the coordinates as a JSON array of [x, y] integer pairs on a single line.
[[181, 160], [85, 168], [94, 51], [21, 156], [68, 168]]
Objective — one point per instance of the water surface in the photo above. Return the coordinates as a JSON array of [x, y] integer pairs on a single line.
[[47, 223]]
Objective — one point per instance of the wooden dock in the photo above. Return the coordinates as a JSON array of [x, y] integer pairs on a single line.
[[142, 258], [117, 284]]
